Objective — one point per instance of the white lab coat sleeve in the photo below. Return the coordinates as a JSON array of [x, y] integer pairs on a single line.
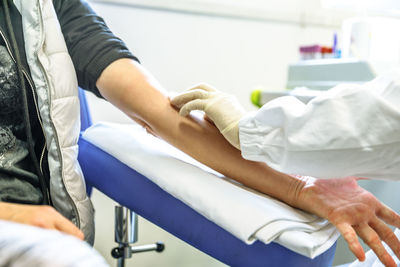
[[351, 130]]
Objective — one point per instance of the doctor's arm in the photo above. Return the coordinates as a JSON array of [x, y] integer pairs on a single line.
[[350, 130], [353, 210]]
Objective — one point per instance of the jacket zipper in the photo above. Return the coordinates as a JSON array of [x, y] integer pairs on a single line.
[[40, 121], [34, 99], [78, 223]]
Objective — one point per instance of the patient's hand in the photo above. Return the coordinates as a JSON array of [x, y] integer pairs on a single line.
[[40, 216], [354, 211]]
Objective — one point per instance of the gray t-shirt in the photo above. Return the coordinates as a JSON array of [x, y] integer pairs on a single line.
[[24, 187]]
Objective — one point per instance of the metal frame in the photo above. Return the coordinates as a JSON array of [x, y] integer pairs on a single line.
[[126, 233]]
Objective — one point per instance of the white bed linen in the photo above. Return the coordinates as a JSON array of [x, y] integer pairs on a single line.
[[245, 213], [23, 245]]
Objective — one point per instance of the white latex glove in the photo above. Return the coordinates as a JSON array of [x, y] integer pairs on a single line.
[[222, 109]]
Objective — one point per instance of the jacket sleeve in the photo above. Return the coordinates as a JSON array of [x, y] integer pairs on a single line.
[[91, 44], [348, 131]]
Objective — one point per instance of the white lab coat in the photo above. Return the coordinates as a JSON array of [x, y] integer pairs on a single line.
[[351, 130]]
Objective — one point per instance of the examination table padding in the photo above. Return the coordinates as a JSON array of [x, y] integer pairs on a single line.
[[244, 213]]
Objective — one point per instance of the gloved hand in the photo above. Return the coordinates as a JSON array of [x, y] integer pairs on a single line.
[[222, 109]]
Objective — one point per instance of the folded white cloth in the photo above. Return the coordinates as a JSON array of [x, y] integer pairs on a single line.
[[245, 213], [372, 260]]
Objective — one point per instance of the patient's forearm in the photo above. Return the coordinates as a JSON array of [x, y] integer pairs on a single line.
[[125, 84], [349, 207], [204, 142]]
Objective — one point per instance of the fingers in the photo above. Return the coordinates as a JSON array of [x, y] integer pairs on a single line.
[[372, 239], [185, 97], [387, 235], [64, 225], [351, 238], [204, 86], [198, 104], [389, 216], [43, 216]]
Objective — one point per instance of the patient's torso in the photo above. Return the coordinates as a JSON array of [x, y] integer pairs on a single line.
[[22, 188]]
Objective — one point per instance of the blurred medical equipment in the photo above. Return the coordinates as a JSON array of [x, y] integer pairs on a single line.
[[318, 52], [309, 78], [151, 197], [369, 48], [371, 39], [326, 73], [369, 36], [126, 221]]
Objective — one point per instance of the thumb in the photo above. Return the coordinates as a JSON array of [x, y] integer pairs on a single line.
[[198, 104], [68, 227]]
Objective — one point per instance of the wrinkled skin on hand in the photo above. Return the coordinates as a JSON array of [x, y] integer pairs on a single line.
[[354, 211]]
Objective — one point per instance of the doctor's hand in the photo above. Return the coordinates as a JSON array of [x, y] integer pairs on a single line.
[[40, 216], [354, 211], [222, 109]]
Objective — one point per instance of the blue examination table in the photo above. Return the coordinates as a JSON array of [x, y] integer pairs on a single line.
[[135, 191]]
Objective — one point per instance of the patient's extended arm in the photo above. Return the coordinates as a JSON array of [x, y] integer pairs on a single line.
[[349, 207]]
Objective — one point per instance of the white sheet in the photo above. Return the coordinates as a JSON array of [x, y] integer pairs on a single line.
[[246, 214], [23, 245]]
